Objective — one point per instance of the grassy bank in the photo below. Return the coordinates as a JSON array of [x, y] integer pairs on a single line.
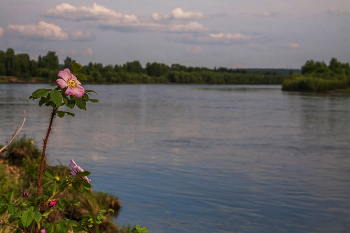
[[297, 82], [320, 77], [19, 165]]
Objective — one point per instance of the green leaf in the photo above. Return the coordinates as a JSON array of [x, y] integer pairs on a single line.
[[70, 104], [50, 228], [80, 104], [2, 204], [61, 114], [27, 218], [87, 184], [61, 228], [56, 97], [48, 175], [88, 91], [111, 210], [94, 100], [49, 171], [137, 229], [42, 101], [85, 97], [62, 204], [20, 224], [42, 92], [76, 202], [14, 216], [76, 66], [37, 217], [3, 210], [84, 173], [80, 75], [70, 114], [11, 209], [65, 100], [73, 223]]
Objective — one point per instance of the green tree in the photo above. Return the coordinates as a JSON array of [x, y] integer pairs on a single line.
[[50, 61]]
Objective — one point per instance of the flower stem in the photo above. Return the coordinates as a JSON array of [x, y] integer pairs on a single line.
[[44, 149]]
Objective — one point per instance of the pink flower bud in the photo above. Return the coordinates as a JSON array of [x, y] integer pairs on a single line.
[[52, 203], [25, 194]]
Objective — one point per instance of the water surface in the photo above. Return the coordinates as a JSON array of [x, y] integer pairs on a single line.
[[188, 158]]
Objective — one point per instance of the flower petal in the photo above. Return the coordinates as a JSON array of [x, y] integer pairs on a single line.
[[76, 91], [62, 83], [72, 164], [73, 173], [65, 74], [77, 169]]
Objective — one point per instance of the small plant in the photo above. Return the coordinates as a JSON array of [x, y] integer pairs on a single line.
[[34, 212]]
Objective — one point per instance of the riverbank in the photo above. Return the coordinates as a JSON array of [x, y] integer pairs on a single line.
[[12, 79], [18, 173]]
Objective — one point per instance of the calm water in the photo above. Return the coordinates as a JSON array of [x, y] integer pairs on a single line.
[[205, 158]]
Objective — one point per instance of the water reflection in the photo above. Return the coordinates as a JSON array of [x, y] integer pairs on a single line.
[[209, 158]]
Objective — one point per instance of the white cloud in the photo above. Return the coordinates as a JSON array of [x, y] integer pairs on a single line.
[[158, 17], [228, 36], [96, 12], [108, 19], [268, 14], [45, 31], [1, 32], [219, 39], [192, 26], [293, 45], [80, 35], [89, 51], [42, 30], [178, 13]]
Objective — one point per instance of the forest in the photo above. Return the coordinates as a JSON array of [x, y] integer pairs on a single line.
[[318, 76], [46, 68]]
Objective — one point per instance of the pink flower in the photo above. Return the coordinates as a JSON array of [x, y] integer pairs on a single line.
[[70, 81], [75, 169], [52, 203], [43, 230], [25, 194]]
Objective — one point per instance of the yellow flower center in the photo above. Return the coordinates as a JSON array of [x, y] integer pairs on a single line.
[[57, 178], [71, 82]]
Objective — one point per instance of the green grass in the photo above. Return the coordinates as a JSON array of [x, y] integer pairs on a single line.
[[316, 84], [23, 156]]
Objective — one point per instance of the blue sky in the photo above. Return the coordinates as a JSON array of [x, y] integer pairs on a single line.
[[229, 33]]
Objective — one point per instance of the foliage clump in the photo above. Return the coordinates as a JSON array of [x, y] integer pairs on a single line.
[[14, 184], [317, 76]]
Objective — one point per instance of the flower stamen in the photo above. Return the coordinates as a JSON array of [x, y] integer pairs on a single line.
[[71, 82]]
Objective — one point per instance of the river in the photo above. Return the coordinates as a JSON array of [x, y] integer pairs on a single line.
[[201, 158]]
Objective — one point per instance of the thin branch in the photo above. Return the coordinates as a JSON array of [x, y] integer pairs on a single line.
[[44, 149], [15, 133]]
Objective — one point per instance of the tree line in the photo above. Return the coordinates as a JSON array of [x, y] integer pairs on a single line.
[[318, 76], [47, 67]]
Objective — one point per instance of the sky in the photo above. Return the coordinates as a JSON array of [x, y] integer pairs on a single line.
[[204, 33]]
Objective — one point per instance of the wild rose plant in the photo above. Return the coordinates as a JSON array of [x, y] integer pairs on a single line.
[[30, 214]]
